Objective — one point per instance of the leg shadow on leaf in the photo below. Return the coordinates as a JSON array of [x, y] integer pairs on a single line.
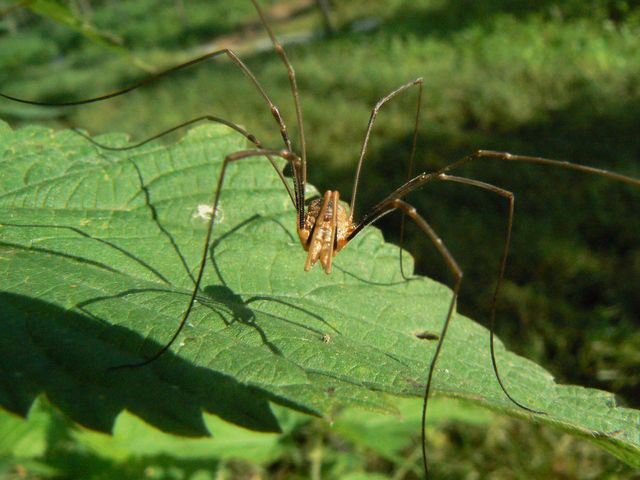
[[217, 291], [65, 355]]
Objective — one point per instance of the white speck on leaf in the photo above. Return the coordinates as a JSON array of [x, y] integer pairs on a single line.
[[204, 211]]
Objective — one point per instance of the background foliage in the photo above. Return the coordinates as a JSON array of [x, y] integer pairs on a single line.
[[559, 79]]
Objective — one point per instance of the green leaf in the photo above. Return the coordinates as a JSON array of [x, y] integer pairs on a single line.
[[134, 438], [47, 443], [97, 254], [23, 439]]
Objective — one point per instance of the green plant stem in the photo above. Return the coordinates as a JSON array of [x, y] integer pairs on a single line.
[[315, 458]]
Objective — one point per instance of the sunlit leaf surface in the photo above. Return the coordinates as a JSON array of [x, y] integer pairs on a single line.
[[98, 250]]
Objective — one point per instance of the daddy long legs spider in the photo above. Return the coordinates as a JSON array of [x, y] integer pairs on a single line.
[[326, 227]]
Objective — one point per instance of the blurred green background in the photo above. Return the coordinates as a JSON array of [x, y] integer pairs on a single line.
[[548, 78]]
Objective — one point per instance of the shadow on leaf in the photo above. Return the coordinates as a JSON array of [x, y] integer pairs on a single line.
[[47, 349]]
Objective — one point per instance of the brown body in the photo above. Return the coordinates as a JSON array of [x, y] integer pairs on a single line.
[[326, 230]]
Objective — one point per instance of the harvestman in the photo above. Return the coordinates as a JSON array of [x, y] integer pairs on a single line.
[[326, 227]]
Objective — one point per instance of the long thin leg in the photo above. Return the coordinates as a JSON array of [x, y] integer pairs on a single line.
[[335, 198], [511, 199], [210, 118], [374, 113], [295, 199], [382, 209], [225, 51], [372, 118], [526, 159], [294, 88], [440, 174], [315, 243], [398, 204], [542, 161], [299, 174], [412, 157], [289, 156], [503, 263], [423, 178]]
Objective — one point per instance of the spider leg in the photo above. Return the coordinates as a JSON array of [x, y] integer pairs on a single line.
[[440, 174], [299, 174], [423, 178], [541, 161], [335, 198], [503, 263], [374, 113], [382, 209], [315, 243], [293, 194], [153, 78], [289, 156], [294, 88]]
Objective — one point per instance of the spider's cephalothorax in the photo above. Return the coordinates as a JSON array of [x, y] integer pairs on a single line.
[[325, 231]]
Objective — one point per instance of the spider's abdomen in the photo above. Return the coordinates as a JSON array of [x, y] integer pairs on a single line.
[[326, 229], [342, 221]]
